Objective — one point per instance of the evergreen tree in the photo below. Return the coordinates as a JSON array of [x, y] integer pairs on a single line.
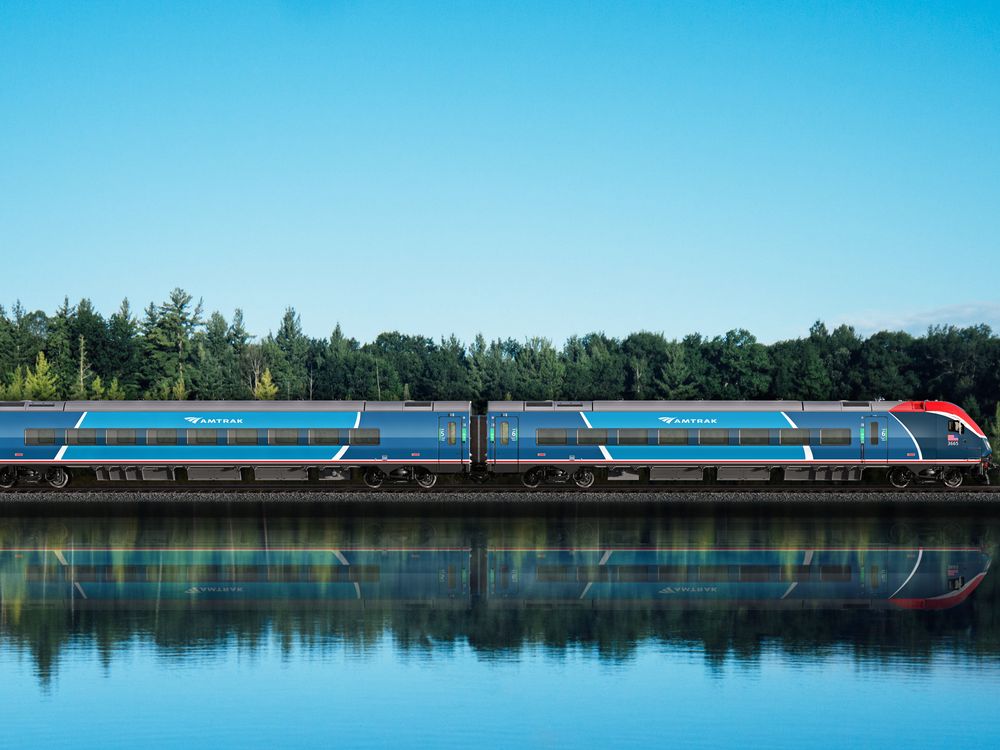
[[115, 391], [60, 354], [89, 324], [79, 390], [124, 356], [178, 391], [266, 390], [29, 332], [167, 332], [40, 383], [289, 356], [16, 390], [96, 388]]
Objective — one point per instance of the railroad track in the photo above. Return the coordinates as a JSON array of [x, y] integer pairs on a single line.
[[479, 491]]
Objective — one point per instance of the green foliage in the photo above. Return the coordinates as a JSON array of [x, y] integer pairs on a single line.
[[265, 389], [97, 388], [40, 384], [995, 433], [115, 391], [177, 352]]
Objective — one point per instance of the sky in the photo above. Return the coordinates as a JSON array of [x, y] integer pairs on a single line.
[[515, 169]]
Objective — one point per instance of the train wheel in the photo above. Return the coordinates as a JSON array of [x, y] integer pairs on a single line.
[[531, 479], [374, 478], [900, 477], [952, 479], [8, 477], [57, 477], [584, 478], [426, 480]]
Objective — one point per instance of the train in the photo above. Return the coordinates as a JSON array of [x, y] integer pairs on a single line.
[[543, 443], [613, 577]]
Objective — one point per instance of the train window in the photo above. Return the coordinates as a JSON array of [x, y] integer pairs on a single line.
[[364, 436], [713, 437], [36, 436], [873, 578], [635, 573], [793, 437], [326, 437], [835, 436], [364, 573], [671, 437], [633, 437], [675, 573], [591, 437], [592, 573], [758, 573], [554, 573], [452, 433], [550, 436], [835, 573], [873, 433], [81, 437], [241, 437], [716, 573], [282, 437], [504, 433], [202, 437], [161, 437], [955, 426], [755, 437], [119, 437]]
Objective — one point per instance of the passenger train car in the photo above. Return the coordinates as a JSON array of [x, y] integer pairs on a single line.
[[735, 440], [542, 442]]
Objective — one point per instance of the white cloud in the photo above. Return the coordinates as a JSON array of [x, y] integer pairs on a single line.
[[918, 321]]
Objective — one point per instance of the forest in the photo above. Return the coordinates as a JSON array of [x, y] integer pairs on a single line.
[[174, 350]]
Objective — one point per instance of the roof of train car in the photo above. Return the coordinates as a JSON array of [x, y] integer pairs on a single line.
[[201, 406], [860, 406]]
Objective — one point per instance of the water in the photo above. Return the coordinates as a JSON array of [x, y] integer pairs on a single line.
[[433, 626]]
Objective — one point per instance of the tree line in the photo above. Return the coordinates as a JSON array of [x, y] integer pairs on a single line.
[[173, 350]]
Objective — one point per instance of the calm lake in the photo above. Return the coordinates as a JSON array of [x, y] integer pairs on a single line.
[[440, 625]]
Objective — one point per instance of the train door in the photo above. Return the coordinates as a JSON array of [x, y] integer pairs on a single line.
[[449, 439], [875, 440], [504, 438]]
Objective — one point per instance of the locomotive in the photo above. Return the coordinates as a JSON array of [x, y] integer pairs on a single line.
[[541, 442]]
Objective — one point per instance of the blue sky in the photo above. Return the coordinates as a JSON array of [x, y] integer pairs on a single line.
[[515, 168]]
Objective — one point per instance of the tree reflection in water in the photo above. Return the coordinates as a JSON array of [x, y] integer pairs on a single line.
[[725, 583]]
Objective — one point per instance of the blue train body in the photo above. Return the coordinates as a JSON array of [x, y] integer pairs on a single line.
[[126, 440], [541, 441], [741, 440]]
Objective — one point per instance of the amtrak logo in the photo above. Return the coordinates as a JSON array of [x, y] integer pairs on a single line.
[[689, 590], [687, 420], [214, 590], [204, 420]]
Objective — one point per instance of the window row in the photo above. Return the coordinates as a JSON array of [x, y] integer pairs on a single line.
[[201, 573], [828, 436], [111, 436], [692, 573]]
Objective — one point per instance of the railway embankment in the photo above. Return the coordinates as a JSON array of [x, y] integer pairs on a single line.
[[733, 496]]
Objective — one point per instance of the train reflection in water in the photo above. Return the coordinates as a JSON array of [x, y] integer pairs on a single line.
[[474, 568]]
